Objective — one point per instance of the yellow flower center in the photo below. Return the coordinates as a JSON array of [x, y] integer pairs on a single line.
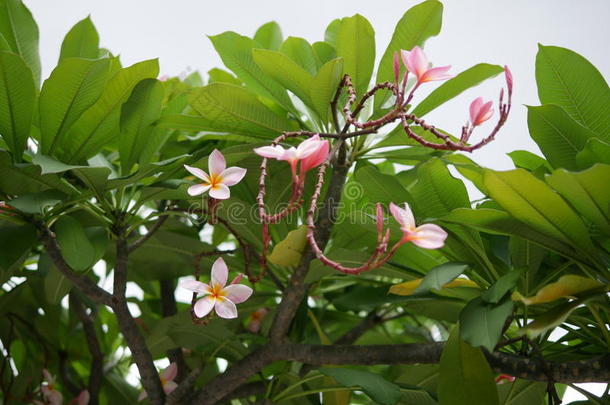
[[215, 180], [217, 292]]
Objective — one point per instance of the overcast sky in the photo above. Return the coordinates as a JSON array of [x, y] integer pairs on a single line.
[[493, 31]]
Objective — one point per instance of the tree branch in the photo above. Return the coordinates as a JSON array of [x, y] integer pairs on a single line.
[[140, 241], [168, 308], [96, 372]]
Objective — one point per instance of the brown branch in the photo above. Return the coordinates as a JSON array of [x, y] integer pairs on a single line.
[[183, 388], [169, 308], [82, 282], [140, 241], [96, 370]]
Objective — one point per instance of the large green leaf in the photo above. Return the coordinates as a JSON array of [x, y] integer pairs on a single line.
[[236, 53], [522, 392], [15, 242], [138, 115], [99, 125], [301, 53], [559, 137], [465, 377], [269, 36], [569, 80], [27, 178], [285, 71], [82, 41], [587, 192], [324, 87], [417, 25], [356, 45], [534, 203], [20, 32], [230, 108], [56, 286], [17, 97], [376, 387], [595, 151], [76, 248], [481, 323], [437, 277], [380, 187], [72, 88], [456, 86]]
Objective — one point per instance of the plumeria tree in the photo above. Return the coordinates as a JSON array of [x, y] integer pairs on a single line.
[[361, 272]]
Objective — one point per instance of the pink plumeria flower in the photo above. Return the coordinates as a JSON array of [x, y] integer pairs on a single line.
[[417, 63], [255, 319], [167, 380], [292, 155], [216, 295], [81, 399], [480, 111], [318, 157], [427, 236], [219, 179], [50, 394]]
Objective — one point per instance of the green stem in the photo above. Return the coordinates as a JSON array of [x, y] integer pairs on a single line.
[[295, 385], [319, 390]]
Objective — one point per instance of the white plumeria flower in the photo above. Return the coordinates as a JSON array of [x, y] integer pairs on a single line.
[[216, 295], [167, 380], [219, 179], [427, 236], [50, 394]]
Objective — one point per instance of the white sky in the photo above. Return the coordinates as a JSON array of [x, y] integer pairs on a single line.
[[493, 31]]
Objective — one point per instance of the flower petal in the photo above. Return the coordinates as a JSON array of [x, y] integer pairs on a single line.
[[169, 387], [437, 73], [198, 189], [316, 158], [403, 216], [220, 192], [216, 162], [170, 372], [143, 395], [204, 306], [196, 286], [272, 152], [308, 146], [83, 398], [220, 272], [198, 173], [428, 236], [232, 175], [48, 377], [416, 61], [475, 107], [225, 309], [237, 293]]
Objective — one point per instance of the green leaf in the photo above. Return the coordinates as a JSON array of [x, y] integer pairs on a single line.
[[285, 71], [456, 86], [269, 36], [503, 285], [81, 41], [26, 178], [559, 137], [324, 87], [324, 51], [376, 387], [529, 161], [587, 192], [522, 392], [437, 277], [99, 125], [236, 53], [332, 32], [37, 203], [465, 377], [288, 252], [20, 32], [534, 203], [138, 115], [417, 25], [72, 88], [229, 108], [17, 98], [595, 151], [552, 318], [56, 286], [381, 187], [15, 243], [76, 248], [569, 80], [301, 53], [94, 177], [356, 45], [481, 323], [219, 75]]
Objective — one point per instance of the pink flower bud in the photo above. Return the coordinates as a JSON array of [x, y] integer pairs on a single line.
[[480, 111]]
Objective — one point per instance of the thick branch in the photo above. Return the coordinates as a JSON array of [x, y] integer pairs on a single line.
[[82, 282], [129, 329], [168, 308], [96, 372]]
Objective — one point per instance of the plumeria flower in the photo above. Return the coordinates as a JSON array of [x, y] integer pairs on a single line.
[[255, 319], [50, 394], [318, 157], [427, 236], [417, 63], [311, 146], [216, 295], [480, 111], [81, 399], [219, 179], [167, 380]]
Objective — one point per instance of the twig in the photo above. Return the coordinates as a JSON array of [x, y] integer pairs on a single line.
[[140, 241]]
